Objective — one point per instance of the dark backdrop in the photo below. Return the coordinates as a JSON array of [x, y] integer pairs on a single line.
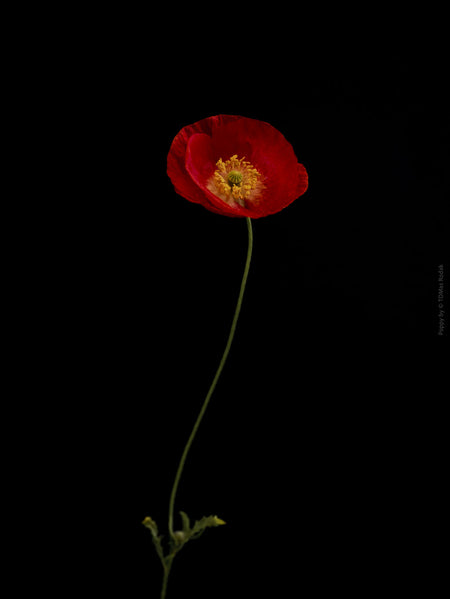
[[319, 447]]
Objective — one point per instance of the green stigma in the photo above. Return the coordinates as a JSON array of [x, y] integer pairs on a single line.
[[234, 178]]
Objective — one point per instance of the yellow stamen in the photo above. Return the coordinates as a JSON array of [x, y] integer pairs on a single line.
[[236, 181]]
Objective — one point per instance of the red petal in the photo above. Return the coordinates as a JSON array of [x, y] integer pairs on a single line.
[[302, 184], [201, 165], [196, 149], [270, 153], [176, 169]]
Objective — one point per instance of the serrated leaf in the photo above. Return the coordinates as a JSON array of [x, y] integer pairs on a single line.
[[206, 522]]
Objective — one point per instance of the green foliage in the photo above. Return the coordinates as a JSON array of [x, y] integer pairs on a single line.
[[201, 525], [151, 525], [180, 537]]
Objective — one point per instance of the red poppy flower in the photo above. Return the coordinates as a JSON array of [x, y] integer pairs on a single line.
[[235, 166]]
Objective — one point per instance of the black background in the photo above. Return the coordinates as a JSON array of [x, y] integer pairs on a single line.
[[321, 443]]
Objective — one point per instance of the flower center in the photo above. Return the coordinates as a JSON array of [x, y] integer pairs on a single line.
[[236, 181], [234, 178]]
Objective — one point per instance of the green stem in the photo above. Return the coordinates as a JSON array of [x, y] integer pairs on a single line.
[[216, 378], [167, 565]]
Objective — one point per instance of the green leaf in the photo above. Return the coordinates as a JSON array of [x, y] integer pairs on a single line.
[[206, 522], [186, 523], [151, 525]]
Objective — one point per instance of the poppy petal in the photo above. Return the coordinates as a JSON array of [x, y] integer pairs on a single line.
[[176, 170], [196, 149], [200, 165]]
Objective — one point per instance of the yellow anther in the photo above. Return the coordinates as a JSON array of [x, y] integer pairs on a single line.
[[236, 180]]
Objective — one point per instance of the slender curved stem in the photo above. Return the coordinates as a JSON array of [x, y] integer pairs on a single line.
[[216, 377]]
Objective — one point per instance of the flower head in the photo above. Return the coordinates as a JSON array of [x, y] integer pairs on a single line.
[[235, 166]]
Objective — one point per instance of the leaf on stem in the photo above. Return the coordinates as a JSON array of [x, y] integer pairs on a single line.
[[151, 525], [180, 537], [186, 523], [206, 522]]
